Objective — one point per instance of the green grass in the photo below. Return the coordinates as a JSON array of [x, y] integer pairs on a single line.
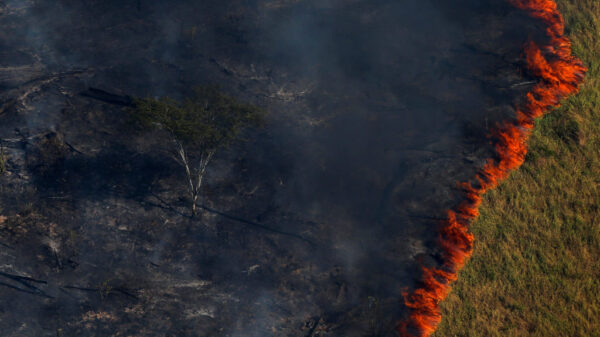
[[535, 270]]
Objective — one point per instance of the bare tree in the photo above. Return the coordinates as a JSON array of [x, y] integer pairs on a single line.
[[198, 127]]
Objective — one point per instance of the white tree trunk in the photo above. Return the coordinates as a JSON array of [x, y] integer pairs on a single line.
[[200, 171]]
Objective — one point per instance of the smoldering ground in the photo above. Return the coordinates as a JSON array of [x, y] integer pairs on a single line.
[[376, 110]]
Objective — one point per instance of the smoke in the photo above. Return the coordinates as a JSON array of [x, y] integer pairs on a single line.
[[377, 109]]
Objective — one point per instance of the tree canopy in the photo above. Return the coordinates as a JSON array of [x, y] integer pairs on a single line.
[[207, 120]]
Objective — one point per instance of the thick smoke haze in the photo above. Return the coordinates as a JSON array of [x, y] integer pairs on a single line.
[[376, 110]]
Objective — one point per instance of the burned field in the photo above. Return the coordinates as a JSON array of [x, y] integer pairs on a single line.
[[313, 225]]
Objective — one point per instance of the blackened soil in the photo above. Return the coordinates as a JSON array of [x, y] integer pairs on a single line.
[[312, 226]]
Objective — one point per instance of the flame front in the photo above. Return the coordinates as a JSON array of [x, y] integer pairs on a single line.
[[559, 75]]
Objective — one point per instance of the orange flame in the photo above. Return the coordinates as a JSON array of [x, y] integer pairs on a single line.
[[559, 75]]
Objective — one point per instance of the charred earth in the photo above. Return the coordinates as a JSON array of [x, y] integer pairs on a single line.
[[313, 226]]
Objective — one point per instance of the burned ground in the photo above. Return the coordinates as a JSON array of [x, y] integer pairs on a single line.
[[312, 227]]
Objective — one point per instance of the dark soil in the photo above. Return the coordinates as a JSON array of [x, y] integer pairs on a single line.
[[312, 226]]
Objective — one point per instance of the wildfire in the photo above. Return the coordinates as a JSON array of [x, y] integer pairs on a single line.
[[559, 75]]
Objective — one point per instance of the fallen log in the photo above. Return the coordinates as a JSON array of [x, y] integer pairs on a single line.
[[108, 97]]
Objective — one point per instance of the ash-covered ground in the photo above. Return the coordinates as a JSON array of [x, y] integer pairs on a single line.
[[313, 226]]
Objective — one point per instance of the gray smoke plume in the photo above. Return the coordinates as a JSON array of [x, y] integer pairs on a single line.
[[314, 225]]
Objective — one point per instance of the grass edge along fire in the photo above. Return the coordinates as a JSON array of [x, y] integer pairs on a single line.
[[559, 75]]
